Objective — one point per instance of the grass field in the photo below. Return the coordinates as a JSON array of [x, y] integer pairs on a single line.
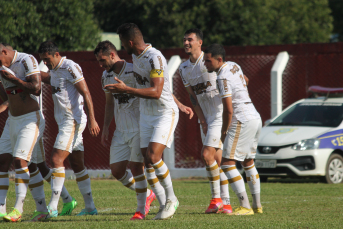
[[286, 204]]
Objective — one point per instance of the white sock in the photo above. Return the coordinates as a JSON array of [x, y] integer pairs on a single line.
[[84, 183], [128, 181], [57, 181], [36, 187], [214, 178], [253, 179], [224, 188], [22, 177], [4, 184], [162, 173], [141, 192], [66, 197], [156, 186], [237, 183]]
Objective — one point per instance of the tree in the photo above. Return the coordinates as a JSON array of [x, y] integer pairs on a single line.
[[337, 13], [229, 22], [71, 24]]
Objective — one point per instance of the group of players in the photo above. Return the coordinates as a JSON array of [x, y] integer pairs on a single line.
[[146, 114]]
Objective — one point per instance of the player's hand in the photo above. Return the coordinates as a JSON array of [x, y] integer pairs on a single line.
[[5, 74], [187, 110], [104, 137], [93, 127], [119, 87], [204, 127], [222, 138]]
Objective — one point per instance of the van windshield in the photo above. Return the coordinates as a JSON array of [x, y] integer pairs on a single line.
[[311, 114]]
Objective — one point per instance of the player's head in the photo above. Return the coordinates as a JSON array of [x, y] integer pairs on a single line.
[[214, 57], [6, 54], [129, 35], [192, 40], [106, 54], [49, 53]]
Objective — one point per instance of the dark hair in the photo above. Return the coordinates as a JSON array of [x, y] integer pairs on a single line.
[[129, 31], [6, 45], [48, 46], [197, 32], [106, 47], [216, 50]]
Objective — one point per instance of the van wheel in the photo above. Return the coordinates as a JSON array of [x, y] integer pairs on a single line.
[[334, 169], [263, 179]]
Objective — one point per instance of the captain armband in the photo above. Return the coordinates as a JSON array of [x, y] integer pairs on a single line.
[[155, 73]]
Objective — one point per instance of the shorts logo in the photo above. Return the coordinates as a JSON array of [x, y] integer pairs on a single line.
[[22, 151], [60, 142], [163, 136], [214, 140]]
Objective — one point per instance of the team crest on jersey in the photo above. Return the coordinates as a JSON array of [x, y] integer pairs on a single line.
[[72, 73], [123, 98], [201, 87], [140, 80], [25, 65], [54, 90]]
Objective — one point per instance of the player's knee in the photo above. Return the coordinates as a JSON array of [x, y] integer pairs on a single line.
[[117, 173], [6, 162], [57, 161], [207, 155], [19, 163]]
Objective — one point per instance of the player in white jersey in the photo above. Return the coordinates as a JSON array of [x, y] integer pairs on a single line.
[[158, 111], [241, 128], [22, 135], [69, 93], [125, 145], [201, 87]]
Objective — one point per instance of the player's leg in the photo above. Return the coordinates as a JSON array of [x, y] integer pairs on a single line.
[[5, 163], [234, 149], [252, 175], [76, 159], [6, 159], [224, 184], [146, 130]]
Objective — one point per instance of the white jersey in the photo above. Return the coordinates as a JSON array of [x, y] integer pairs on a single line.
[[68, 102], [150, 64], [203, 83], [126, 107], [22, 65], [231, 83]]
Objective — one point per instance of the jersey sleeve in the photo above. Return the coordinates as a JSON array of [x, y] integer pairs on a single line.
[[75, 75], [184, 80], [156, 64], [224, 87], [30, 65]]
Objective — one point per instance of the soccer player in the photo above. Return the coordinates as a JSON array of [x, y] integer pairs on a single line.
[[20, 140], [69, 93], [206, 101], [159, 112], [125, 143], [241, 128]]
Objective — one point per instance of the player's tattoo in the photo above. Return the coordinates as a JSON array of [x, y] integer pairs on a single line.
[[193, 100]]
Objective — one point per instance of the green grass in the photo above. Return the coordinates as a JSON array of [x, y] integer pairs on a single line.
[[286, 204]]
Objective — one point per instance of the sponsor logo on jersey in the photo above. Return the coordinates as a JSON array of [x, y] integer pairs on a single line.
[[123, 98], [201, 87], [140, 80]]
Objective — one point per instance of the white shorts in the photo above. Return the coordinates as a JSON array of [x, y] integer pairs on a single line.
[[241, 140], [125, 147], [212, 138], [160, 129], [69, 137], [38, 156], [26, 133]]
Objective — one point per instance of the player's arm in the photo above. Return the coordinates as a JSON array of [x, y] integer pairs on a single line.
[[93, 126], [31, 85], [227, 116], [197, 109], [246, 79], [153, 92], [4, 106], [183, 108], [45, 77], [109, 113], [3, 94]]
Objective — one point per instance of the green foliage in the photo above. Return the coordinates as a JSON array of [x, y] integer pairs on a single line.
[[27, 23], [229, 22], [337, 13]]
